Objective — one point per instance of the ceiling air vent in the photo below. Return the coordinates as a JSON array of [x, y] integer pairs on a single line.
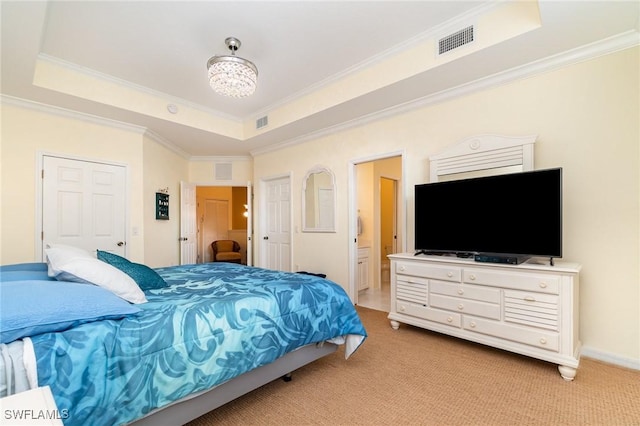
[[455, 40], [262, 122], [223, 171]]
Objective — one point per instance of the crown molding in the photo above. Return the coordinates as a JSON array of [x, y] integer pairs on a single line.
[[594, 50], [432, 33], [67, 113], [135, 87], [167, 144], [222, 158], [93, 119]]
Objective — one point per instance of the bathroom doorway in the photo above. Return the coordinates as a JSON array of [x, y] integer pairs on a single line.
[[377, 184]]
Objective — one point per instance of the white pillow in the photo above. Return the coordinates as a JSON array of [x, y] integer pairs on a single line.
[[68, 252], [68, 263]]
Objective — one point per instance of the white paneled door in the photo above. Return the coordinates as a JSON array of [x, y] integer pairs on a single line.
[[83, 204], [277, 239], [188, 225], [215, 226]]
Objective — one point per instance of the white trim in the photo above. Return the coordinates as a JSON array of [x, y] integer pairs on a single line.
[[133, 86], [67, 113], [222, 158], [433, 34], [93, 119], [167, 144], [609, 358], [610, 45]]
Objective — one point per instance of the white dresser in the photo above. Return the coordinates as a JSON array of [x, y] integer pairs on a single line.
[[530, 309]]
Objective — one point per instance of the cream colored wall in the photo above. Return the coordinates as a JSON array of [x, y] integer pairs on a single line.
[[201, 171], [25, 134], [162, 169], [586, 118]]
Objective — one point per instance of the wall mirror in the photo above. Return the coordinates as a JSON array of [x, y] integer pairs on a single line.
[[319, 201]]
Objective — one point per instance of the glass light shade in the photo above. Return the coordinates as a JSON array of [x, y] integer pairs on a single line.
[[232, 76]]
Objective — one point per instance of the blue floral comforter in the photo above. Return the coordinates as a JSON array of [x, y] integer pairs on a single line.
[[211, 323]]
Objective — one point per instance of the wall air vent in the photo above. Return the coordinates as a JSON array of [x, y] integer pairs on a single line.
[[455, 40], [262, 122], [223, 171]]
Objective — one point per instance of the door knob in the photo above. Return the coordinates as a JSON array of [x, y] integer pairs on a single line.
[[265, 238], [120, 243]]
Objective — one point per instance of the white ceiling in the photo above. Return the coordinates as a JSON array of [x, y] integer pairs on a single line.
[[161, 48]]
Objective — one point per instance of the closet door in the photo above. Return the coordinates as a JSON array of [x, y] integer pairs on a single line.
[[215, 225], [83, 204]]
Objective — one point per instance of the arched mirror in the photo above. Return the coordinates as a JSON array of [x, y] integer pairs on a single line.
[[319, 201]]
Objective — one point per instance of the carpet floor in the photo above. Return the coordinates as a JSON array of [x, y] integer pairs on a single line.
[[413, 376]]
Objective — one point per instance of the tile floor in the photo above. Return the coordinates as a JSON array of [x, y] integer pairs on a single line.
[[377, 298]]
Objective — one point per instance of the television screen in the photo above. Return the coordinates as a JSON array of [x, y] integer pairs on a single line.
[[510, 214]]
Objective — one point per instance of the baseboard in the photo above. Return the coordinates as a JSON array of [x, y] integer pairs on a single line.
[[610, 358]]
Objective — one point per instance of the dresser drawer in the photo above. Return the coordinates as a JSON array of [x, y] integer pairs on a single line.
[[519, 281], [412, 290], [447, 273], [475, 292], [465, 306], [435, 315], [531, 309], [529, 336]]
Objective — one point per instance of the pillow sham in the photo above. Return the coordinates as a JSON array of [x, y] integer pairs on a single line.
[[145, 277], [73, 265], [34, 307]]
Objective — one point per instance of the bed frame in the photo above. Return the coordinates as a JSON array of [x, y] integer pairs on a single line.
[[196, 405]]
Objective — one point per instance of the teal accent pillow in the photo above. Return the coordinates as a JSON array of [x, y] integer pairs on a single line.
[[145, 277]]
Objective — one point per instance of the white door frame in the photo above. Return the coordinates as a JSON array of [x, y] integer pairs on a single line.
[[262, 225], [38, 254], [353, 215]]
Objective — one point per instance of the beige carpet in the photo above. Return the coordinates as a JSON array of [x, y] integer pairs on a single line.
[[416, 377]]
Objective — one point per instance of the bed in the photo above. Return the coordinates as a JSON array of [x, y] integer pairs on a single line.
[[202, 335]]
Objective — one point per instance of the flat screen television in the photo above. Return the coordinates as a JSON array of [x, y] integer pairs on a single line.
[[516, 214]]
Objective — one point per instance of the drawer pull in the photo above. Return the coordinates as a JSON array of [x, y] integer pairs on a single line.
[[401, 268], [461, 306], [530, 299], [543, 285], [543, 341], [460, 291], [449, 319], [449, 274], [472, 277], [402, 308], [472, 324]]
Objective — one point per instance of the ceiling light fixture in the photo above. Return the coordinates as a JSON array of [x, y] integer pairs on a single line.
[[230, 75]]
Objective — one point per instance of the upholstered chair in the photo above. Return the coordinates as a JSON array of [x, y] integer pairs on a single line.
[[226, 251]]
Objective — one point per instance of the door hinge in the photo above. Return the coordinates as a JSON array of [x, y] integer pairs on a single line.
[[41, 235], [42, 174]]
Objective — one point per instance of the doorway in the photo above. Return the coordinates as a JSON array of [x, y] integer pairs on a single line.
[[375, 187], [222, 213]]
